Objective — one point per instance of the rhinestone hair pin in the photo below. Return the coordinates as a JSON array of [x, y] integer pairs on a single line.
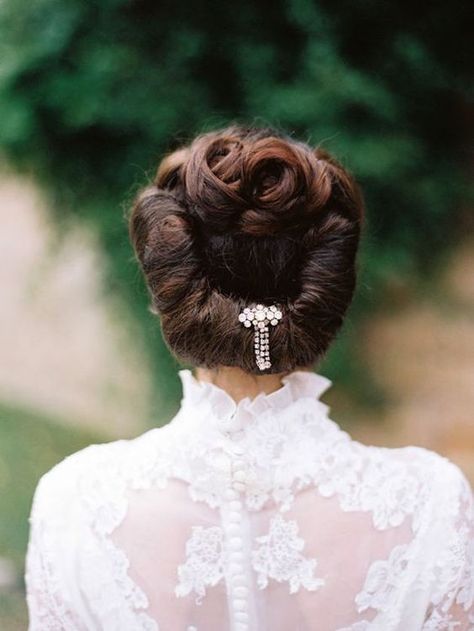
[[261, 316]]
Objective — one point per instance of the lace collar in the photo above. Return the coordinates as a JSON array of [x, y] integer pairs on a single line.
[[268, 441], [230, 416]]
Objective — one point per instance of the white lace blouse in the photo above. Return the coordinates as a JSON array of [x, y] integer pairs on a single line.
[[257, 515]]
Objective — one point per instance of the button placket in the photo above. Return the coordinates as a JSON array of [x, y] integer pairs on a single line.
[[234, 534]]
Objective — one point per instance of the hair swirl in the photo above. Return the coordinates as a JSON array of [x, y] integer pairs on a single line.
[[244, 215]]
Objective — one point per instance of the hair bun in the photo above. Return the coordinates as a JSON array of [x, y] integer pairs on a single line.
[[204, 234], [255, 184]]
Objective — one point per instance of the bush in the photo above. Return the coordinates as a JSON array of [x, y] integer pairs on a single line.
[[92, 93]]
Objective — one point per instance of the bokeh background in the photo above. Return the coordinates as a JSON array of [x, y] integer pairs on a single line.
[[92, 94]]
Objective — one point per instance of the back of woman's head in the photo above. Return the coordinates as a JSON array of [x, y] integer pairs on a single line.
[[247, 215]]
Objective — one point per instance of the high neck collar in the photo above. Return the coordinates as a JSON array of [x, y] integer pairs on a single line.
[[232, 416]]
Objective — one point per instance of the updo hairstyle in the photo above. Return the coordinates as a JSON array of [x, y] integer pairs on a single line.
[[247, 215]]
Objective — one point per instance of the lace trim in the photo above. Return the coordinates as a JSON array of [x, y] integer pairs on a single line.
[[104, 496], [49, 611], [453, 573], [383, 578], [204, 565], [288, 452], [278, 556]]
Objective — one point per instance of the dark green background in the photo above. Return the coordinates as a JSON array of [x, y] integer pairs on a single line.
[[93, 93]]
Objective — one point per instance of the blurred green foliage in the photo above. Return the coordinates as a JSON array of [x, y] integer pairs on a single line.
[[29, 446], [92, 94], [22, 463]]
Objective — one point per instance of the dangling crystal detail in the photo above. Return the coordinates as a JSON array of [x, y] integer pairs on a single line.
[[261, 316]]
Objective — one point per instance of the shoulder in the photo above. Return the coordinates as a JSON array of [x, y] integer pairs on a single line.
[[82, 475], [420, 462], [443, 488], [441, 472], [409, 481], [57, 488]]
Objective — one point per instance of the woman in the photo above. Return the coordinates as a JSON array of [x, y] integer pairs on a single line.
[[251, 509]]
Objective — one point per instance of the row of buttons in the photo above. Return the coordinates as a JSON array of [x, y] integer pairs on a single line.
[[233, 529]]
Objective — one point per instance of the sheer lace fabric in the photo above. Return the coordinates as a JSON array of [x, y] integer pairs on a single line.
[[261, 515]]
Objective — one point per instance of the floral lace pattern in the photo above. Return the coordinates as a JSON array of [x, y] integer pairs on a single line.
[[453, 573], [105, 570], [204, 564], [278, 556], [283, 443], [44, 592], [383, 579]]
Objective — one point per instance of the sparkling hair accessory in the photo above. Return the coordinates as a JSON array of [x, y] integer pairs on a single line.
[[261, 316]]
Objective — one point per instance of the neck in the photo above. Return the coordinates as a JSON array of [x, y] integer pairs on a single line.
[[240, 384]]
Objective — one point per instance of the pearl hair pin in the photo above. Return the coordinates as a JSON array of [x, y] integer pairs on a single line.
[[261, 316]]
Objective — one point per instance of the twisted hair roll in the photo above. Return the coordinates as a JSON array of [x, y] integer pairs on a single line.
[[248, 215]]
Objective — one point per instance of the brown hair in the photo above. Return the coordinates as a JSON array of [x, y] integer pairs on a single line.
[[246, 215]]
